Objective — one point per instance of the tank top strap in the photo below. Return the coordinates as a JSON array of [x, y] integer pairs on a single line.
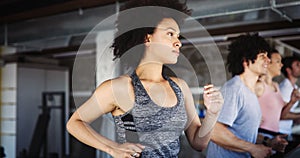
[[277, 88], [134, 79], [269, 88], [175, 87], [141, 96]]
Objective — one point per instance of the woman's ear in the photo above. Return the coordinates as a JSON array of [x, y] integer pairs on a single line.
[[147, 40]]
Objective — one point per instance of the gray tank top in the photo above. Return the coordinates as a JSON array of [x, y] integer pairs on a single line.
[[157, 128]]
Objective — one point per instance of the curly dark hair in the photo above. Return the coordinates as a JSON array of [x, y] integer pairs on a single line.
[[126, 39], [245, 48]]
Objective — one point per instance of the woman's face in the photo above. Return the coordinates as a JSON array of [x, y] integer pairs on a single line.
[[163, 45], [275, 65]]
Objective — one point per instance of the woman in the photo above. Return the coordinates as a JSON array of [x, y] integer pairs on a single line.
[[150, 109], [272, 105]]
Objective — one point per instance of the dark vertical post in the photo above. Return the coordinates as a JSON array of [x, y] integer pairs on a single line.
[[63, 127], [45, 110]]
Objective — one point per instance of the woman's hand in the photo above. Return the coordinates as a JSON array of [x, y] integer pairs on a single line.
[[127, 150], [213, 99]]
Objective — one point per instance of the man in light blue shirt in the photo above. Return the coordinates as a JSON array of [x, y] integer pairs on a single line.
[[235, 133]]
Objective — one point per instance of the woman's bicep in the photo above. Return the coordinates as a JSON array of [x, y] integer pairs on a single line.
[[193, 122], [101, 102]]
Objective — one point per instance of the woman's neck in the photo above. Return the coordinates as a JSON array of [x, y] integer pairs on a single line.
[[151, 71], [269, 79]]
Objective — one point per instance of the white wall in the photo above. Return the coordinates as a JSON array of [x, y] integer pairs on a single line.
[[8, 109], [106, 69]]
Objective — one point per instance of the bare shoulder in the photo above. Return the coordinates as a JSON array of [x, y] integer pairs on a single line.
[[259, 88], [276, 84], [181, 83], [121, 80], [116, 92], [115, 84]]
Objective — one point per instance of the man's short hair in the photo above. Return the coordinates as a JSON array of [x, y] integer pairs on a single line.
[[287, 63]]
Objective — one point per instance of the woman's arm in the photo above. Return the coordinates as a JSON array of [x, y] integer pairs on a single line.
[[102, 102], [199, 135]]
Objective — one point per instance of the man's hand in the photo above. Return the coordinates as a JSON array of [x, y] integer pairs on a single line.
[[279, 143], [260, 151]]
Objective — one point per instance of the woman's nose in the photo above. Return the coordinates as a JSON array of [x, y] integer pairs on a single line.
[[177, 43]]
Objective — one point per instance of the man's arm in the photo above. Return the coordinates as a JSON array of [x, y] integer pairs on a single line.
[[291, 116], [225, 138]]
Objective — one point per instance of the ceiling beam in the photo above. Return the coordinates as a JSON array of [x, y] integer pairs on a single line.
[[255, 27], [54, 9]]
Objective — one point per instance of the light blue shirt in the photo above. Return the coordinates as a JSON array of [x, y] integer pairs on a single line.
[[241, 113]]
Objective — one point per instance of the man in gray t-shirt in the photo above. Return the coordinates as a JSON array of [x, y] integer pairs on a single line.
[[241, 115], [235, 133]]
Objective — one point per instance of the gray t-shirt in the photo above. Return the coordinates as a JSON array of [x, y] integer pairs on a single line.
[[241, 113]]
